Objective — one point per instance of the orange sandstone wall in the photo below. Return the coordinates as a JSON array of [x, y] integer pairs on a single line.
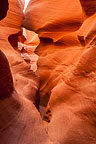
[[14, 17], [66, 76], [65, 28], [20, 122], [67, 69]]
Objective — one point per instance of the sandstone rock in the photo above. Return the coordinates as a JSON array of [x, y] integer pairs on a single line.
[[62, 29], [14, 16], [60, 39], [72, 103], [46, 17], [19, 120], [89, 7], [25, 81], [67, 69], [88, 30], [27, 48], [6, 82]]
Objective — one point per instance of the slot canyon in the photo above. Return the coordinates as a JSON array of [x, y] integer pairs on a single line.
[[48, 72]]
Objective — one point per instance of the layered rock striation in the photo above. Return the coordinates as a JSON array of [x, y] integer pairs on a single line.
[[20, 122], [66, 66], [64, 82]]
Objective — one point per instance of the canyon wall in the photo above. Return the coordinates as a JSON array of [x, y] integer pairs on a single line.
[[63, 87], [20, 122], [66, 66]]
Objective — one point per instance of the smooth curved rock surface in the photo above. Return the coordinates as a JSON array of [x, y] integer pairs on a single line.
[[20, 122], [62, 39], [15, 15], [88, 30], [48, 17], [24, 79], [66, 80], [66, 67], [71, 108]]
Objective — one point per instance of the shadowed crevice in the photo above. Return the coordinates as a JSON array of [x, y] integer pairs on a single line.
[[89, 6], [13, 40], [6, 81], [4, 5]]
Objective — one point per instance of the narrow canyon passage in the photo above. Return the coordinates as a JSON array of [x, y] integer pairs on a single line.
[[48, 72]]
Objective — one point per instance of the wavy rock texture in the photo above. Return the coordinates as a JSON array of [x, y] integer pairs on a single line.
[[58, 28], [88, 30], [53, 17], [20, 122], [66, 78], [24, 79], [66, 66], [14, 17]]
